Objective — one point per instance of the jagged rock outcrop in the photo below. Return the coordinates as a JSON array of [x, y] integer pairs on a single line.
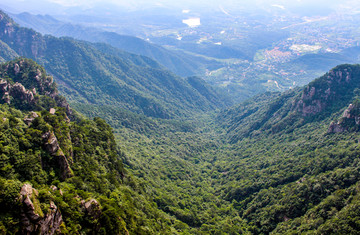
[[28, 82], [349, 119], [335, 127], [17, 91], [51, 144], [4, 93], [33, 219], [318, 95]]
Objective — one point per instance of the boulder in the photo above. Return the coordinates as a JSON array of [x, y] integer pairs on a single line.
[[30, 118], [92, 207]]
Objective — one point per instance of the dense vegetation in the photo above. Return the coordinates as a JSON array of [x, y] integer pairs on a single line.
[[260, 167], [269, 165], [95, 168]]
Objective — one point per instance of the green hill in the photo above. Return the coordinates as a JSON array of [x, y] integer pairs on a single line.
[[179, 63], [88, 73]]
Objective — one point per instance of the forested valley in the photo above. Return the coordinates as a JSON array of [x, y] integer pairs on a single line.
[[112, 143]]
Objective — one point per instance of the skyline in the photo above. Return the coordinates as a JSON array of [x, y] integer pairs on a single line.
[[69, 6]]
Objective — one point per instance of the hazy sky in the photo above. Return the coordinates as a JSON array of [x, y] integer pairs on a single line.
[[59, 6]]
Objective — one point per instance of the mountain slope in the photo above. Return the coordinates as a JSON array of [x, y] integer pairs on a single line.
[[257, 178], [62, 176], [87, 74], [6, 53], [293, 166], [177, 62], [286, 111]]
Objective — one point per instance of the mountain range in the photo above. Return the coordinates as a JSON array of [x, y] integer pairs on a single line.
[[89, 73], [175, 158], [178, 62]]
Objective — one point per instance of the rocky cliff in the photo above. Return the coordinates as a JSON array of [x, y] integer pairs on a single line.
[[51, 144], [327, 91], [349, 121], [25, 84], [33, 219]]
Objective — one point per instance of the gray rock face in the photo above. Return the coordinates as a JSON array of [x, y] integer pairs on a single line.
[[51, 144], [17, 91], [316, 99], [33, 222], [335, 128], [339, 126]]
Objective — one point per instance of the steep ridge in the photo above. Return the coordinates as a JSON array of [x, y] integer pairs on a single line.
[[276, 112], [62, 176], [177, 62], [86, 74]]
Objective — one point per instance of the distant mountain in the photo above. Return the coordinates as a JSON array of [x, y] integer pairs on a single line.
[[6, 53], [180, 63], [88, 73], [326, 61]]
